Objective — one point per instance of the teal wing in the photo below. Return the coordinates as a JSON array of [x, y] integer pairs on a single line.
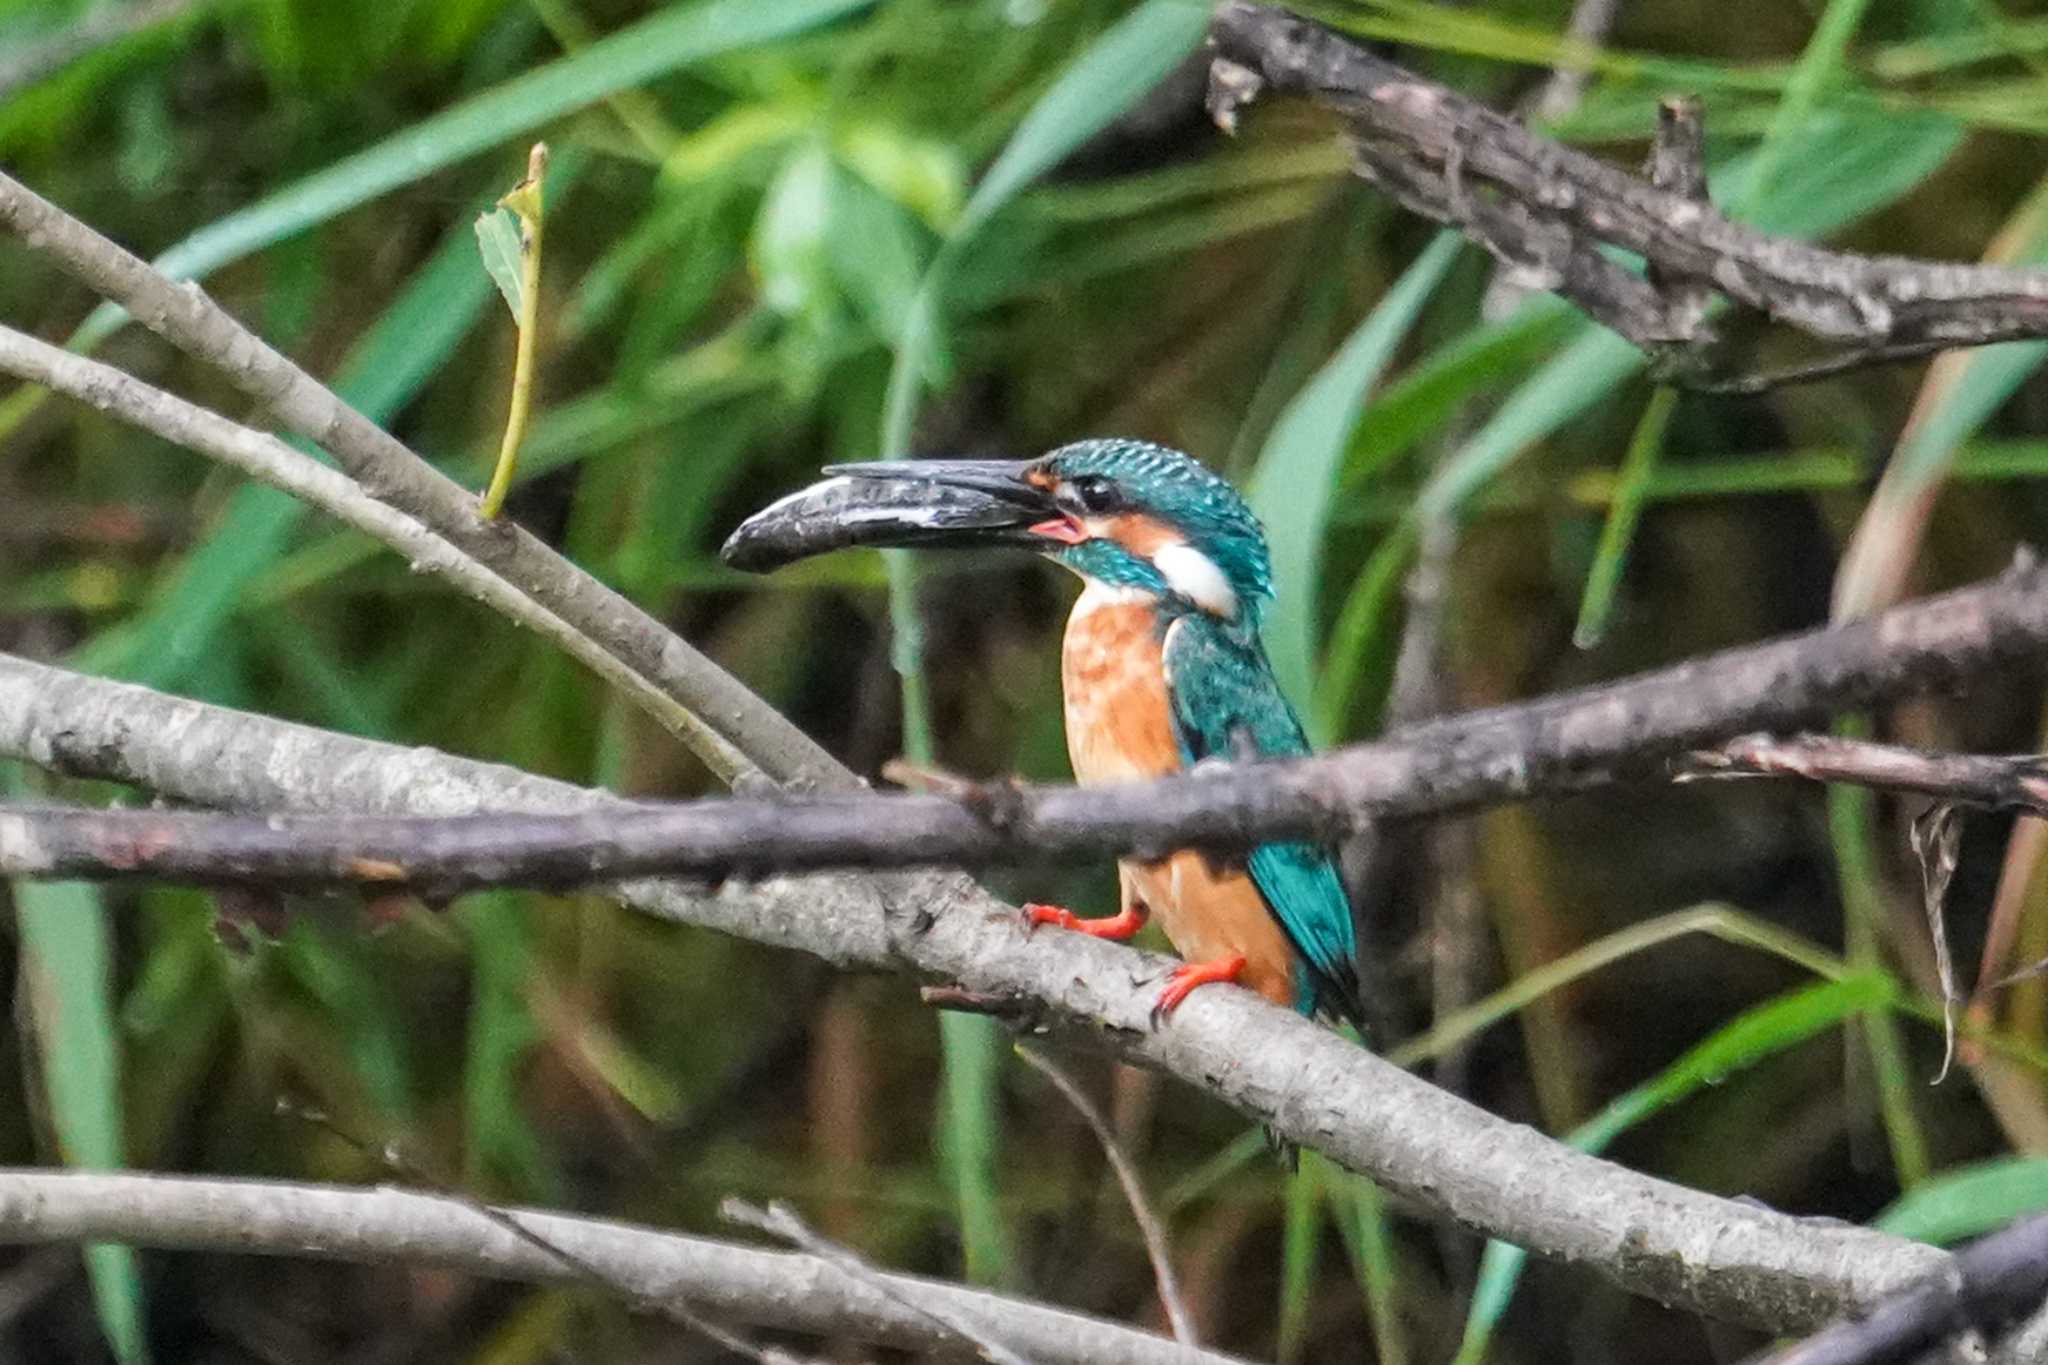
[[1226, 704]]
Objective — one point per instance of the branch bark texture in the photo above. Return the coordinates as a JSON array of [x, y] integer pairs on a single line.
[[1547, 210], [1561, 743], [1691, 1249], [786, 1290]]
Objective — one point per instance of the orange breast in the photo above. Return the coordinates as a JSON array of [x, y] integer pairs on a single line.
[[1120, 729]]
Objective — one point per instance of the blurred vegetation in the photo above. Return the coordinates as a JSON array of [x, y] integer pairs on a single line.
[[984, 227]]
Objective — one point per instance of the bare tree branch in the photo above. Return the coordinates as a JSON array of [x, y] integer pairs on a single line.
[[1547, 210], [390, 473], [1997, 781], [780, 1221], [783, 1290], [264, 457], [1987, 1286], [1316, 1089], [1149, 1227], [1560, 743]]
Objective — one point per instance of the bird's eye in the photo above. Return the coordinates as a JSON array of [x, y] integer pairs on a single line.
[[1092, 492]]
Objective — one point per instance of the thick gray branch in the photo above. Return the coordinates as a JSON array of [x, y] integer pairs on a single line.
[[1707, 1254], [785, 1290], [1559, 743], [1547, 210]]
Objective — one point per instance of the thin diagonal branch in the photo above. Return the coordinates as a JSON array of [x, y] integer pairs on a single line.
[[262, 456], [186, 317], [379, 1226], [1996, 781], [1149, 1227], [1561, 743], [1548, 211], [780, 1221], [1313, 1087]]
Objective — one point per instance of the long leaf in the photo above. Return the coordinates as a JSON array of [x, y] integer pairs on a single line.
[[1294, 482], [67, 969], [1744, 1041], [661, 43]]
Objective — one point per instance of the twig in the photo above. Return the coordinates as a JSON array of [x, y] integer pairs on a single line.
[[391, 1156], [1561, 743], [1149, 1226], [380, 1226], [1547, 210], [263, 457], [1996, 781], [1315, 1088], [185, 316], [780, 1220], [1987, 1286]]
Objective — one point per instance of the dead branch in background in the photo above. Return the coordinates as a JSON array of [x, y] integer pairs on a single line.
[[1315, 1088], [1546, 211], [2017, 782]]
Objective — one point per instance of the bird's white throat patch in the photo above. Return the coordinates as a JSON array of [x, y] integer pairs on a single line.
[[1196, 577]]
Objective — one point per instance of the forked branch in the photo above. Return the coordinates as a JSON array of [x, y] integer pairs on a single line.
[[1549, 211]]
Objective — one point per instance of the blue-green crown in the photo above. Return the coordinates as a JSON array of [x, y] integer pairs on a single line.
[[1165, 484]]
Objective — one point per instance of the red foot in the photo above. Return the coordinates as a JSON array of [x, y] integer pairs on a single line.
[[1118, 926], [1189, 975]]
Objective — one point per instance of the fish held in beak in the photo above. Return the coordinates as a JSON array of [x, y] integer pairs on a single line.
[[924, 504]]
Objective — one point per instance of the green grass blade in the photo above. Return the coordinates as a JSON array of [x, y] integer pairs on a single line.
[[663, 42], [1294, 482], [1300, 1245], [1969, 1201], [1368, 1237], [1852, 829], [970, 1141], [1116, 71], [1749, 1038], [66, 967], [1610, 558], [1819, 67]]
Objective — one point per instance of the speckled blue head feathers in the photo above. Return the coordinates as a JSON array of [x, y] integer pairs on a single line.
[[1156, 520]]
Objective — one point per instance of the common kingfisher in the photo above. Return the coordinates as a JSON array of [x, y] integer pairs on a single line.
[[1161, 669]]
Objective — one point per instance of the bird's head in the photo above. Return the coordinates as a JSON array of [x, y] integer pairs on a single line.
[[1126, 514]]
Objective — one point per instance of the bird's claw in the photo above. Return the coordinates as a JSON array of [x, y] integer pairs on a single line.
[[1117, 927], [1182, 980]]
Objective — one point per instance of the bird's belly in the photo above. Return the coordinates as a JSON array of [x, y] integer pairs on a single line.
[[1120, 729]]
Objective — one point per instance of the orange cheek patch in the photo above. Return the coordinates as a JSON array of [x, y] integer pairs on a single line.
[[1141, 535]]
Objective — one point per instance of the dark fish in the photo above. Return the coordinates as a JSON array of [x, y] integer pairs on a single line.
[[887, 508]]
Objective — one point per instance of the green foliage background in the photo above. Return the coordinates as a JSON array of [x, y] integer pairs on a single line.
[[784, 232]]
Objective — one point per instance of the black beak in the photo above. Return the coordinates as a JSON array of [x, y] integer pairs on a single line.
[[926, 504]]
